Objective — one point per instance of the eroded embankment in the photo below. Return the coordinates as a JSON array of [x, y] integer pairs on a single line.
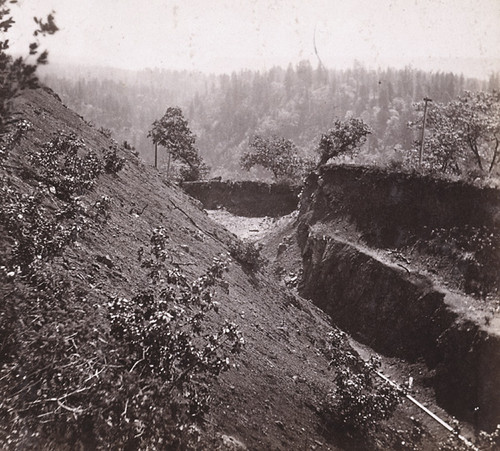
[[394, 309], [391, 209], [245, 198]]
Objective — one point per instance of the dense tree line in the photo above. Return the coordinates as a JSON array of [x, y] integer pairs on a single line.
[[299, 103]]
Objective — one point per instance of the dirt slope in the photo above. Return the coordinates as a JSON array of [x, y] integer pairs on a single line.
[[270, 397]]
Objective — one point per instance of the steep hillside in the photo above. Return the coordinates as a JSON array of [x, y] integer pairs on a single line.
[[71, 373], [102, 259], [281, 333]]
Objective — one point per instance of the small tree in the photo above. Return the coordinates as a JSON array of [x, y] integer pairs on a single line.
[[173, 133], [465, 129], [344, 138], [277, 154]]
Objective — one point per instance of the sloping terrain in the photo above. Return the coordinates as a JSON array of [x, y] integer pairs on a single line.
[[267, 399], [66, 381], [270, 397]]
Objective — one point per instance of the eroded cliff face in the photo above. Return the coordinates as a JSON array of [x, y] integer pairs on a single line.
[[351, 221], [245, 198], [393, 209]]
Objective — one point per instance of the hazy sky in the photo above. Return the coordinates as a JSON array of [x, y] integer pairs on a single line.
[[226, 35]]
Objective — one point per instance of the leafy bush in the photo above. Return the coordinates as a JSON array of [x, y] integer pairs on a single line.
[[164, 336], [106, 132], [194, 171], [37, 234], [112, 162], [128, 374], [158, 254], [66, 166], [102, 207], [360, 401], [12, 136], [247, 254]]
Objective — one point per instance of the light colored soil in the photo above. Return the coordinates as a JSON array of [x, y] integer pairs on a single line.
[[249, 229]]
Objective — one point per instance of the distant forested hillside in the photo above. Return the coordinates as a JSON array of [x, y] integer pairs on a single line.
[[225, 111]]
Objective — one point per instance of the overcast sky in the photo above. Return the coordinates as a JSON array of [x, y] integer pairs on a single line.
[[226, 35]]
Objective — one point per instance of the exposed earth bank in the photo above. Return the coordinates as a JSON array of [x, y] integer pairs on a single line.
[[273, 394], [245, 198], [406, 263], [396, 259]]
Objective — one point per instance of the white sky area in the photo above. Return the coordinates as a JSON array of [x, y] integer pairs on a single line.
[[226, 35]]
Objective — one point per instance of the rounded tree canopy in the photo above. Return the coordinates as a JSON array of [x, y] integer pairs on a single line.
[[343, 138], [277, 154]]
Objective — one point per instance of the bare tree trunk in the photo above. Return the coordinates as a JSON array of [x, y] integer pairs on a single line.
[[475, 151], [495, 154], [422, 138]]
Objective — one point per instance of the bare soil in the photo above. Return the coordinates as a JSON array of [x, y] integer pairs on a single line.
[[271, 397], [278, 243]]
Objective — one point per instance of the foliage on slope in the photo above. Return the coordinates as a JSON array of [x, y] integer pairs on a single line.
[[86, 369]]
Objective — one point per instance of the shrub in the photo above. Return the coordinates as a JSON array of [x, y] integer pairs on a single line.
[[165, 337], [106, 132], [129, 374], [112, 162], [102, 207], [360, 401], [247, 254], [66, 166], [11, 137], [36, 232]]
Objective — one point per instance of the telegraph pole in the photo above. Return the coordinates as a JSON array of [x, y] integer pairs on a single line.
[[422, 138]]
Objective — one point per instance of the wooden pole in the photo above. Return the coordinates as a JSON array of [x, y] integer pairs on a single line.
[[422, 138], [156, 155]]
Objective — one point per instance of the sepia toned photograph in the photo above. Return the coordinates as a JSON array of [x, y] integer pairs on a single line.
[[250, 225]]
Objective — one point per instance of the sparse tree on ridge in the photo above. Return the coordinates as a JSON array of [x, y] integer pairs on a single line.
[[344, 138], [173, 133], [276, 154]]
